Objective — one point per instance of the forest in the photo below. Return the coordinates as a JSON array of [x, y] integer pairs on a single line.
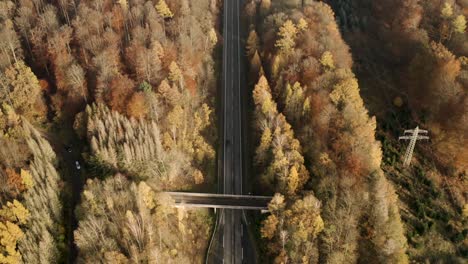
[[320, 150], [129, 88], [422, 80], [106, 104]]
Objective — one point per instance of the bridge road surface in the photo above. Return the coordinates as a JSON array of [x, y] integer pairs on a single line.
[[239, 202], [231, 244]]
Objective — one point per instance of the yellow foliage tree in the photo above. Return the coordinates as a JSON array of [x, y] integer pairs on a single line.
[[276, 65], [346, 91], [293, 180], [9, 235], [279, 150], [294, 101], [175, 119], [269, 227], [169, 95], [146, 194], [302, 24], [327, 60], [21, 87], [459, 24], [446, 11], [293, 227], [15, 212], [163, 10], [212, 36], [175, 74], [262, 149], [277, 203], [262, 97], [27, 179], [287, 36]]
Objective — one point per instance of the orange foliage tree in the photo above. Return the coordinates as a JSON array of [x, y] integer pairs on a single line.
[[137, 106]]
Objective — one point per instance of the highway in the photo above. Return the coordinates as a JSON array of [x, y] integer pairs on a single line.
[[230, 220], [230, 242]]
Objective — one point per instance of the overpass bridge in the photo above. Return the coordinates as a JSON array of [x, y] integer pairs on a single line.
[[224, 201]]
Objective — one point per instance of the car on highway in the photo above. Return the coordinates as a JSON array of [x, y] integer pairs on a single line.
[[77, 165], [68, 148]]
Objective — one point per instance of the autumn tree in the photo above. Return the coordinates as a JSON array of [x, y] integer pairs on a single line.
[[251, 9], [175, 74], [147, 64], [459, 24], [295, 101], [169, 95], [14, 212], [10, 46], [278, 156], [144, 155], [319, 96], [252, 44], [435, 77], [256, 67], [75, 79], [212, 37], [292, 228], [43, 203], [137, 106], [148, 60], [276, 207], [164, 10], [269, 226], [121, 89], [137, 223], [20, 89], [10, 234], [287, 37], [265, 6], [14, 180], [327, 60], [387, 222], [302, 24], [450, 23], [446, 11]]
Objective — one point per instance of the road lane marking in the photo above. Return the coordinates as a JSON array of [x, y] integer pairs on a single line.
[[240, 95], [224, 94]]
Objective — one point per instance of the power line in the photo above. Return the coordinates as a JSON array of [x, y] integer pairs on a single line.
[[413, 135]]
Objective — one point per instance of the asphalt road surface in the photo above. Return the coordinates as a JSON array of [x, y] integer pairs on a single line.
[[230, 243], [74, 180]]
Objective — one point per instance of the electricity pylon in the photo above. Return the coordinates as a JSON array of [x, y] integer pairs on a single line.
[[413, 135]]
